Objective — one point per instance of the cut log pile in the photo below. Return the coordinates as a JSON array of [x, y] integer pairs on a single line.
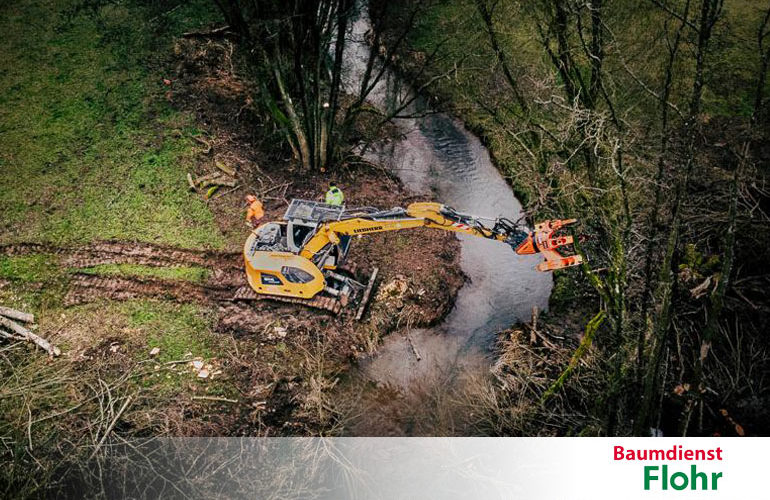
[[11, 328], [210, 183]]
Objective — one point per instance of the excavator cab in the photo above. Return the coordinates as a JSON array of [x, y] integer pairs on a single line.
[[303, 218], [274, 266]]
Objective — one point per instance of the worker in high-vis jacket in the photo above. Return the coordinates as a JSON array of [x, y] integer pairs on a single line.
[[334, 195], [255, 212]]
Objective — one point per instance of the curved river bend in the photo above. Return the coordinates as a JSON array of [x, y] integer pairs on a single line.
[[437, 154]]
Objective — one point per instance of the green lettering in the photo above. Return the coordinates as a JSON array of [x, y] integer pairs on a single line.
[[714, 477], [665, 477], [649, 477], [675, 476], [694, 475]]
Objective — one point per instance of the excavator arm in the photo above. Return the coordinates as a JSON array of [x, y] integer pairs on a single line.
[[438, 216]]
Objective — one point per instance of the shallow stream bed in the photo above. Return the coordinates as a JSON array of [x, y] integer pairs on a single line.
[[437, 155]]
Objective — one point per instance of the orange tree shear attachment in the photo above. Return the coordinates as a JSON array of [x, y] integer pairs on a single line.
[[542, 241]]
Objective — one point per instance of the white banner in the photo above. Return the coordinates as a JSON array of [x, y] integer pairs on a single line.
[[440, 468]]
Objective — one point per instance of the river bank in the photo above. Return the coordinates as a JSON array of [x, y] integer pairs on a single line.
[[421, 374], [529, 349], [495, 66]]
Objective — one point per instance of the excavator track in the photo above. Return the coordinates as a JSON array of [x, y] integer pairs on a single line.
[[320, 301], [84, 288], [323, 302]]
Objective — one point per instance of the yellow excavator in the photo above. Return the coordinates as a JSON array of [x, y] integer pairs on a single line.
[[300, 259]]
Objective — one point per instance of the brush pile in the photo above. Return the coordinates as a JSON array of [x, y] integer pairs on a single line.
[[11, 328]]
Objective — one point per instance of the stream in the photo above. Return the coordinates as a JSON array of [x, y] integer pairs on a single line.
[[436, 154]]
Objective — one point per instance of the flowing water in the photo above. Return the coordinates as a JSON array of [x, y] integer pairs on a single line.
[[437, 154]]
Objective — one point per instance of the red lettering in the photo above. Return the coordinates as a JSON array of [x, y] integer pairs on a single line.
[[677, 452]]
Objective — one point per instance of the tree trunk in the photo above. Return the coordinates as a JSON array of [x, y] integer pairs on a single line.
[[28, 335], [17, 315], [652, 237], [764, 61], [710, 10], [718, 295], [339, 48], [486, 16]]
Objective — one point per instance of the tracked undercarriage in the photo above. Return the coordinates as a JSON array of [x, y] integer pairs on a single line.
[[323, 301]]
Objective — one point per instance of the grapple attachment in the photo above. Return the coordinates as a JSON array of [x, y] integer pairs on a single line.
[[542, 241]]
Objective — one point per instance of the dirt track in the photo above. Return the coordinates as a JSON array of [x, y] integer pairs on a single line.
[[226, 271], [221, 289], [121, 252], [86, 288]]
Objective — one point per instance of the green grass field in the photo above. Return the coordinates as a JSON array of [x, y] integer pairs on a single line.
[[89, 148]]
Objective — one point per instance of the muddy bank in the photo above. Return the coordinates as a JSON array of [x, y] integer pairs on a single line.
[[272, 343], [425, 262]]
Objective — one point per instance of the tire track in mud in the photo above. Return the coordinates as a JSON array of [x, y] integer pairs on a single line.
[[122, 252], [226, 271], [85, 288], [226, 287]]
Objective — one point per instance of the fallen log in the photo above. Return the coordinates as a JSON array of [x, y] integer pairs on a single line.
[[218, 195], [414, 349], [17, 315], [28, 335], [218, 181], [214, 398], [11, 336], [208, 145], [224, 168], [207, 177], [223, 31], [273, 188]]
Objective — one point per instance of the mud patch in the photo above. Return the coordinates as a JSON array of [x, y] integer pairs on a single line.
[[426, 297], [85, 288], [122, 252]]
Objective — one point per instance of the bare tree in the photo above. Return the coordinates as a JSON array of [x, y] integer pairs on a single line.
[[297, 52], [298, 48], [764, 60], [709, 14], [672, 46]]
